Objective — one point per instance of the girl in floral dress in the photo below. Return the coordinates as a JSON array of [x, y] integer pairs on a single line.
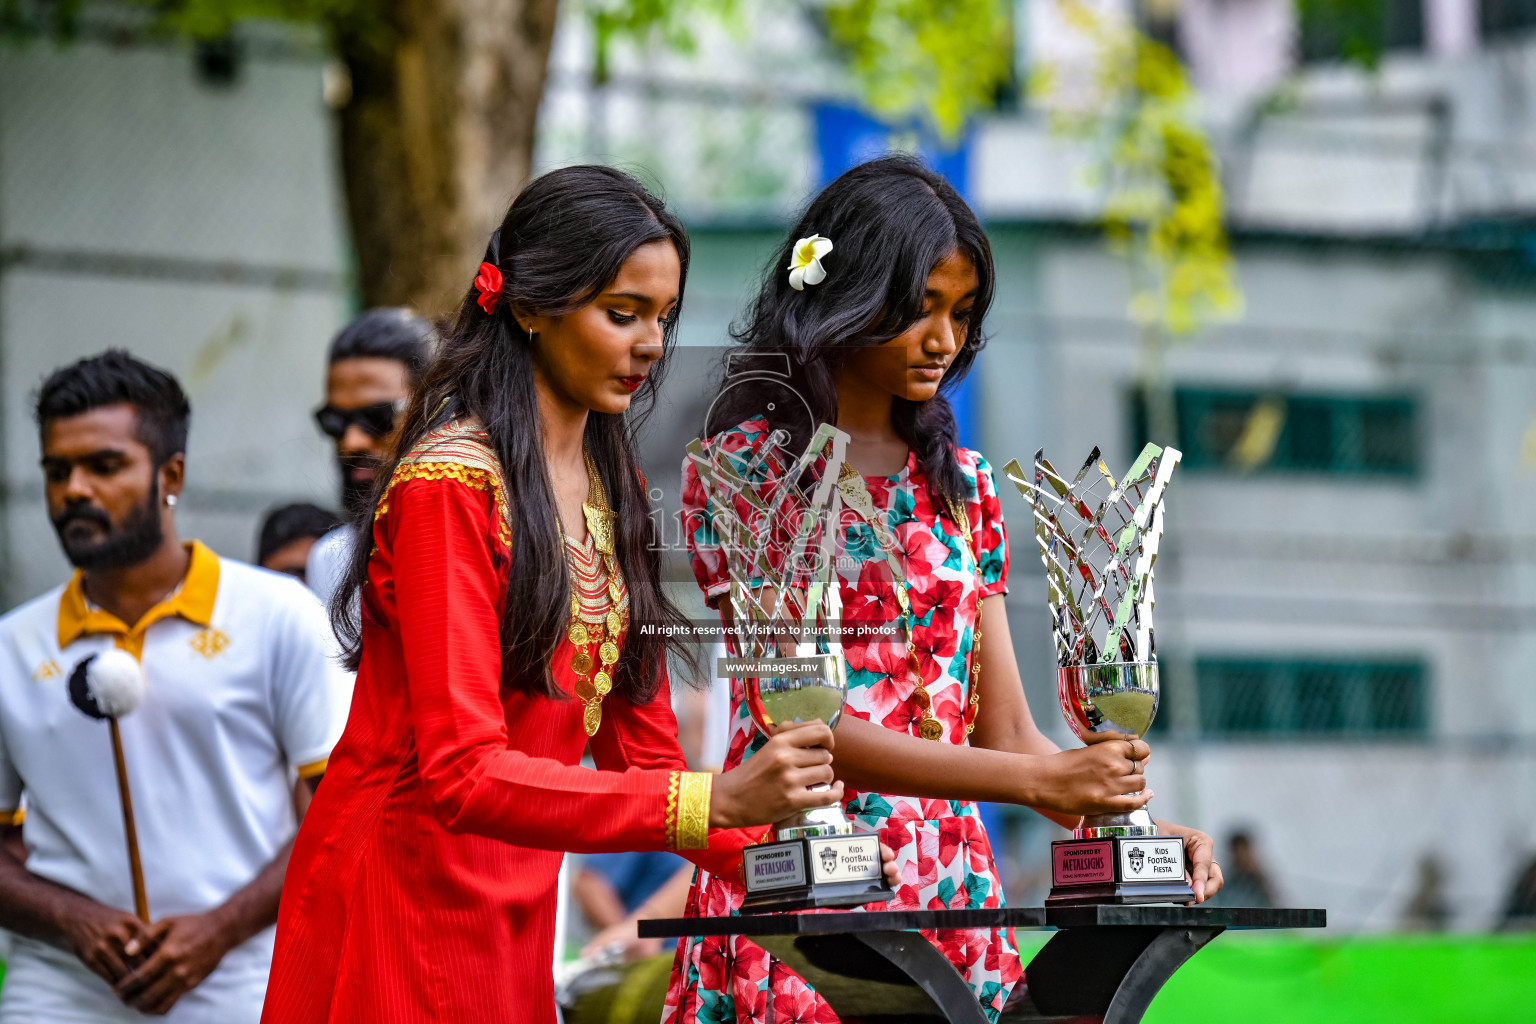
[[878, 304]]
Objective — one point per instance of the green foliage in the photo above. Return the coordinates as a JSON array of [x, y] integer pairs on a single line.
[[24, 19], [943, 59], [669, 21], [194, 19], [1163, 202], [214, 19], [1357, 28]]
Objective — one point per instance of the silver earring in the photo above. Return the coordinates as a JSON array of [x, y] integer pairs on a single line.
[[170, 500]]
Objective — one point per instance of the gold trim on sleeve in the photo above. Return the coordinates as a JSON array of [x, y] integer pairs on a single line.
[[693, 810], [469, 476], [458, 451], [314, 768], [672, 784], [13, 818]]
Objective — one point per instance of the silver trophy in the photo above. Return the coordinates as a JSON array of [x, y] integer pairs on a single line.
[[1098, 540], [774, 516]]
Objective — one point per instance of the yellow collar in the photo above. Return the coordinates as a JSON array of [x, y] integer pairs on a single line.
[[192, 601]]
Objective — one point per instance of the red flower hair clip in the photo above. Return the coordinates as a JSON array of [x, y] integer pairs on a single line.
[[489, 286]]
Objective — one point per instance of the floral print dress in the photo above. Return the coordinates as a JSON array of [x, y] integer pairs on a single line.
[[941, 846]]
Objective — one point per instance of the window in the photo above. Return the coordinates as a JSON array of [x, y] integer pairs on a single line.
[[1256, 697], [1250, 431], [1358, 30], [1498, 18]]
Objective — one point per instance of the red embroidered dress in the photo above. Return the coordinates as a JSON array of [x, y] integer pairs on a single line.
[[941, 847], [422, 884]]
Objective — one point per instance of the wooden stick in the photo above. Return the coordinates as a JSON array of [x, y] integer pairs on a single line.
[[135, 868]]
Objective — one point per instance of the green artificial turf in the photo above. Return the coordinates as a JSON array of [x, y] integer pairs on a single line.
[[1401, 979], [1265, 978]]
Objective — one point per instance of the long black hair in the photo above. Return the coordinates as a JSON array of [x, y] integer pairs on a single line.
[[161, 410], [387, 333], [891, 221], [564, 240]]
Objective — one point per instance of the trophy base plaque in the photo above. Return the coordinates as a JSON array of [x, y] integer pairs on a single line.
[[814, 872], [1118, 869]]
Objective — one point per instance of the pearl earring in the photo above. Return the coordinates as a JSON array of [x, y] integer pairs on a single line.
[[170, 500]]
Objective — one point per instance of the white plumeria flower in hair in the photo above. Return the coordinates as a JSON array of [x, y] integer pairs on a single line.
[[805, 261]]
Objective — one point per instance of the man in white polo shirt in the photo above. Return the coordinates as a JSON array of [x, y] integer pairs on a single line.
[[242, 694]]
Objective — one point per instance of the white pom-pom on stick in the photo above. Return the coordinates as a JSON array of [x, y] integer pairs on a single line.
[[116, 682], [110, 685]]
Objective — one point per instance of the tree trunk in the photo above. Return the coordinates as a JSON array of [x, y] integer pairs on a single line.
[[437, 138]]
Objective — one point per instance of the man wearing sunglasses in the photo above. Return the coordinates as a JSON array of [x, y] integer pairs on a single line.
[[375, 362]]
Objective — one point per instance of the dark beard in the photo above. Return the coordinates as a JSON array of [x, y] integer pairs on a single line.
[[356, 495], [139, 536]]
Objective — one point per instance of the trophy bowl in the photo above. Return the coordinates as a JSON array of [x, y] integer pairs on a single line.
[[817, 693], [1117, 697], [800, 690]]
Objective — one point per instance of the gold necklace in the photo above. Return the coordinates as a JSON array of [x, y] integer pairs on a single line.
[[857, 496], [596, 632], [962, 519]]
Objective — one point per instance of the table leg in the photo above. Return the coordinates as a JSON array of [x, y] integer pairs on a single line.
[[931, 971], [1166, 954], [1105, 973], [879, 975]]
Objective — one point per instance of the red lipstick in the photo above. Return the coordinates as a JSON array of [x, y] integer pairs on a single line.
[[633, 382]]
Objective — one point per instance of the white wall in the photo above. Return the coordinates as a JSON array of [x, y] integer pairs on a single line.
[[198, 226]]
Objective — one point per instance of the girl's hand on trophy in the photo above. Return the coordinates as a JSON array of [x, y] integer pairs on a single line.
[[1104, 777], [775, 782], [1200, 854], [888, 864]]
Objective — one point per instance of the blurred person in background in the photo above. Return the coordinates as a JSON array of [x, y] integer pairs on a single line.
[[1248, 883], [283, 544], [288, 533], [621, 940], [1428, 909], [373, 365], [242, 690], [1520, 908], [609, 886], [878, 296]]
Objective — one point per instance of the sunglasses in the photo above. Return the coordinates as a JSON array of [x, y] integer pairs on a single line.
[[375, 420]]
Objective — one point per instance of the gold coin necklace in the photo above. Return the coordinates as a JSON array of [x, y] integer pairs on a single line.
[[961, 519], [856, 496], [599, 602]]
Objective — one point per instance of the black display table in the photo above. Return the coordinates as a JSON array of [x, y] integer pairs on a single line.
[[1105, 963]]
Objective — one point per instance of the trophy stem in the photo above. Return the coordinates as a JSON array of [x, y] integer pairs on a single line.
[[1102, 826], [816, 821]]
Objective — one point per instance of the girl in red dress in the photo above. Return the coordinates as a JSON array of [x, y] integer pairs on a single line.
[[878, 297], [503, 558]]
